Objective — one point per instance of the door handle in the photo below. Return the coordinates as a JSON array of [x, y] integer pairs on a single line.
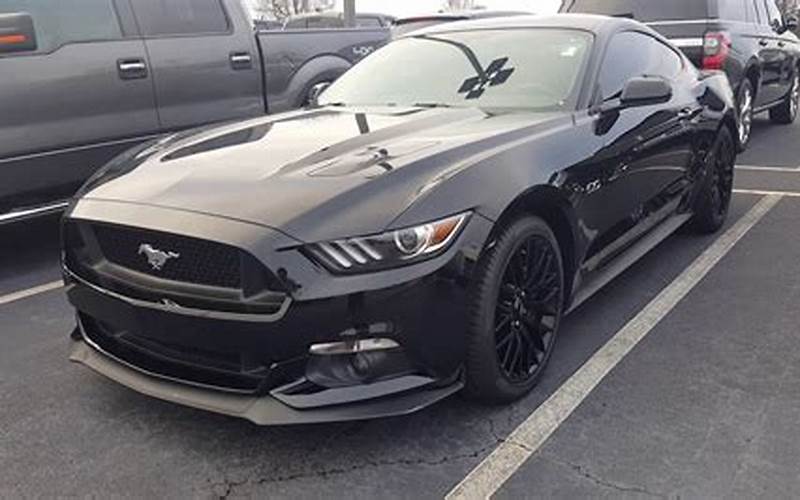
[[132, 69], [763, 42], [241, 60], [781, 44]]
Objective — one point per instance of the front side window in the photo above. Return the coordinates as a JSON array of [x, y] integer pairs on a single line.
[[512, 68], [59, 23], [180, 17], [651, 58]]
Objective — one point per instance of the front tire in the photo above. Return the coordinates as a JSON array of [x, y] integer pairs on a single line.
[[786, 112], [713, 202], [516, 308]]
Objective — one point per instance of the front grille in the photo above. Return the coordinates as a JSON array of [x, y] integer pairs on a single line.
[[199, 261], [207, 275]]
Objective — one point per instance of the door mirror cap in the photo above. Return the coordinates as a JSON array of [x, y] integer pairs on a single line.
[[315, 92], [644, 91], [17, 33]]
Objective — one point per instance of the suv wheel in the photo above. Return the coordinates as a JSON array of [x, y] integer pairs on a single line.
[[744, 101], [786, 112]]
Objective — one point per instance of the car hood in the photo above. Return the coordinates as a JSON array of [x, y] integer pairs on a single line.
[[312, 174]]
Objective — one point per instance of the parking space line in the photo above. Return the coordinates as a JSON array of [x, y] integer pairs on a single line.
[[757, 168], [30, 292], [761, 192], [487, 478]]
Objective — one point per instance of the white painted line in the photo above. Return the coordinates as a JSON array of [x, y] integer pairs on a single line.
[[761, 192], [757, 168], [30, 292], [485, 479]]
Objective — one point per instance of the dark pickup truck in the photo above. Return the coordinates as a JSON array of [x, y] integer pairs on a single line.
[[749, 40], [83, 80]]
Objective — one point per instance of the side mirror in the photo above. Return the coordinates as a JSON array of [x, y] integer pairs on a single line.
[[315, 92], [791, 23], [644, 91], [17, 33]]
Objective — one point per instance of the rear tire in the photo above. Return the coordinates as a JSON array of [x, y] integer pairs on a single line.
[[786, 112], [713, 202], [516, 308], [744, 111]]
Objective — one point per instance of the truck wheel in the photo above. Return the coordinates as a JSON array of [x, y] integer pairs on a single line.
[[711, 207], [515, 312], [744, 105], [786, 112]]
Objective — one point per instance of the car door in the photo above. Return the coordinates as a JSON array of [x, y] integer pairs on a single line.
[[783, 44], [79, 96], [637, 180], [204, 61]]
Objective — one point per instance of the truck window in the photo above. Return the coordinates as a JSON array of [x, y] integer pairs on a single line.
[[180, 17], [58, 23], [621, 64], [642, 10]]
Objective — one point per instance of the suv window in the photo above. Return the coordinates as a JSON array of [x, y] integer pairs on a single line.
[[621, 64], [735, 10], [642, 10], [180, 17], [58, 22], [775, 19]]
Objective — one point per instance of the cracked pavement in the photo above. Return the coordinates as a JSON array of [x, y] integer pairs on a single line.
[[706, 407]]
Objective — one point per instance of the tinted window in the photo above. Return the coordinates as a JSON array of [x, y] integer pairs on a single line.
[[58, 22], [487, 68], [774, 15], [735, 10], [642, 10], [180, 17], [621, 63], [368, 22]]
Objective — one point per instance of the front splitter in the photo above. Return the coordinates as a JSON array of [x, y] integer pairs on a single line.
[[261, 410]]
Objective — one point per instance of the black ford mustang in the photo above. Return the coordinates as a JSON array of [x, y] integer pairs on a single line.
[[420, 231]]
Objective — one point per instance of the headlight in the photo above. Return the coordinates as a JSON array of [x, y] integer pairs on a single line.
[[392, 249]]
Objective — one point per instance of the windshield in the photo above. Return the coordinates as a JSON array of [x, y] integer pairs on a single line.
[[510, 68]]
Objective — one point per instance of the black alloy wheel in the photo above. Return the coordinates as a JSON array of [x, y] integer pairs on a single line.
[[786, 112], [714, 200], [517, 309]]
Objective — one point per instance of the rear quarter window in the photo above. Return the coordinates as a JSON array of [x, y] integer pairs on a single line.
[[642, 10]]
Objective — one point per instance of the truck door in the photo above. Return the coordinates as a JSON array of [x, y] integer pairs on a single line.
[[205, 63], [75, 94]]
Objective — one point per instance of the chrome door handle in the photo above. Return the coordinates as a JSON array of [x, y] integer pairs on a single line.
[[763, 43], [132, 69], [241, 60]]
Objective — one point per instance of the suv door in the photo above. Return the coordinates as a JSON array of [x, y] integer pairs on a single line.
[[79, 97], [771, 53], [643, 168], [204, 60]]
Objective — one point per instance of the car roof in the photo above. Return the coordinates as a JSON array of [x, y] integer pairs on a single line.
[[586, 22]]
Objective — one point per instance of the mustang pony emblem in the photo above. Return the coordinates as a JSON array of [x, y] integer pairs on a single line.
[[156, 258]]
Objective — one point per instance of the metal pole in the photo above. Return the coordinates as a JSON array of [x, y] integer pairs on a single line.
[[350, 13]]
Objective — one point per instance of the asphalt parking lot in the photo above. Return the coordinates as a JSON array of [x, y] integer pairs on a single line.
[[703, 404]]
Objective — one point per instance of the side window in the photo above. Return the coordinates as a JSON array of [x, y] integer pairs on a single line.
[[621, 64], [735, 10], [180, 17], [775, 18], [59, 23], [368, 22]]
